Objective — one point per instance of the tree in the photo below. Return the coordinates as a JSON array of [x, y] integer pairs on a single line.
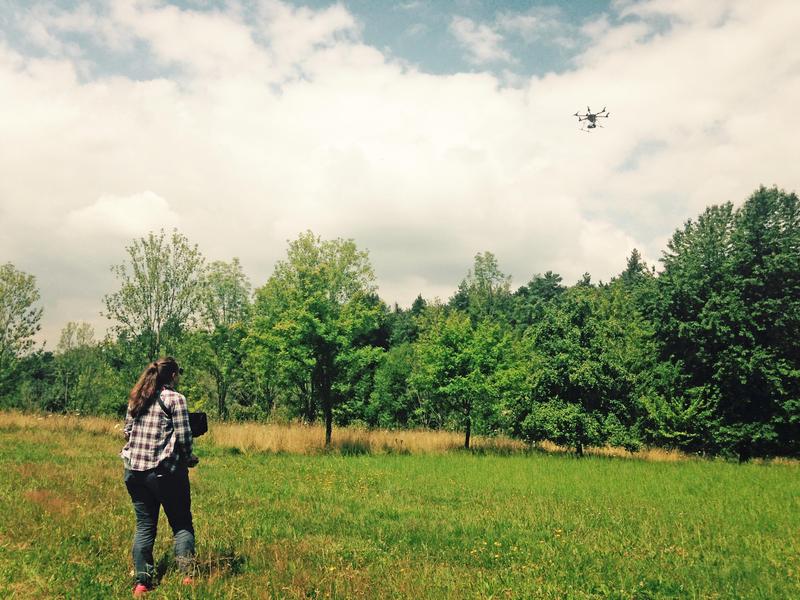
[[636, 270], [392, 402], [84, 378], [485, 291], [159, 292], [401, 326], [313, 311], [19, 318], [694, 293], [728, 316], [71, 356], [586, 356], [35, 383], [530, 299], [760, 381], [225, 294], [457, 366], [265, 371], [225, 310]]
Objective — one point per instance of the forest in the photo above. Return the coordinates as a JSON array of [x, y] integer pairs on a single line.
[[699, 353]]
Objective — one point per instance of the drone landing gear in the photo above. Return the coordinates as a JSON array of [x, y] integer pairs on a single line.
[[589, 120]]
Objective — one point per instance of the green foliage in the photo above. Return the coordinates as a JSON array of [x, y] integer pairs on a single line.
[[217, 346], [314, 315], [392, 402], [35, 386], [564, 423], [587, 356], [252, 412], [457, 369], [19, 320], [402, 325], [86, 382], [530, 300], [355, 383], [160, 292], [485, 292], [728, 316]]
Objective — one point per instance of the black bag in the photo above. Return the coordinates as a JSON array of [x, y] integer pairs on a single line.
[[198, 422]]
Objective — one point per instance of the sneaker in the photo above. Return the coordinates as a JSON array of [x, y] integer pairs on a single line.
[[140, 590]]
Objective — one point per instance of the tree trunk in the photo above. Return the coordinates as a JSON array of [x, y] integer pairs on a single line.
[[580, 433], [222, 396], [328, 423], [155, 343], [327, 409], [744, 452], [321, 380], [468, 432], [310, 408]]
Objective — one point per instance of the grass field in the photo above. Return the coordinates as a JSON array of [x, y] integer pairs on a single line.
[[397, 525]]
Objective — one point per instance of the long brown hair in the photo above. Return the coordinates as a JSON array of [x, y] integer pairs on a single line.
[[157, 374]]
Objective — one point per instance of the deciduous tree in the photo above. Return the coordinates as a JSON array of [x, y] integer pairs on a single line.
[[160, 290], [313, 310], [19, 318], [225, 309]]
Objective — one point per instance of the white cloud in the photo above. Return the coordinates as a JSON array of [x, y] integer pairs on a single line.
[[536, 23], [707, 13], [273, 125], [44, 24], [413, 5], [122, 217], [205, 43], [294, 33], [417, 29], [483, 44]]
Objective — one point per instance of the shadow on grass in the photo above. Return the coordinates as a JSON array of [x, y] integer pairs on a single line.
[[213, 564], [220, 562], [491, 450], [354, 448]]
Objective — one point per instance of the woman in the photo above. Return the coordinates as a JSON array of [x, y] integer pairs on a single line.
[[157, 455]]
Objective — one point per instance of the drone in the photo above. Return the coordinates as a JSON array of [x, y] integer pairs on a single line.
[[591, 118]]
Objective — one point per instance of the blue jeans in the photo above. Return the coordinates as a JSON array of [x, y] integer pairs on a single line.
[[150, 490]]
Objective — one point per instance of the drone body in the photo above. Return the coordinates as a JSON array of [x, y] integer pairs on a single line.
[[589, 119]]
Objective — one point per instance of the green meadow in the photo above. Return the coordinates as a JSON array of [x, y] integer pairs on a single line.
[[452, 525]]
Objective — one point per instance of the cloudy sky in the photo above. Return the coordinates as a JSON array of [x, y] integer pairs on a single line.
[[426, 131]]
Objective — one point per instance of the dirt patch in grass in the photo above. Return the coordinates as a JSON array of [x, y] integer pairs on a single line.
[[34, 470], [50, 502]]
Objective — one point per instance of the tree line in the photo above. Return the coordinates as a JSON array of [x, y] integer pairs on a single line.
[[702, 355]]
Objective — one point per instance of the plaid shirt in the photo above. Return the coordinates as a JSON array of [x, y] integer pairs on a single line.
[[156, 439]]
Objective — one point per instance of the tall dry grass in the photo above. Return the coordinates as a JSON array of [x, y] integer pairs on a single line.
[[648, 454], [58, 422], [310, 439]]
